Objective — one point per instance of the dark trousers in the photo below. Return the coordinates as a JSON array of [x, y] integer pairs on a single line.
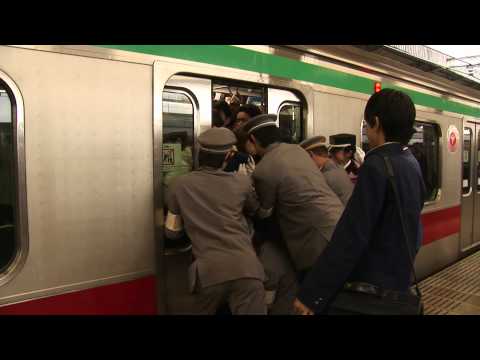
[[302, 274]]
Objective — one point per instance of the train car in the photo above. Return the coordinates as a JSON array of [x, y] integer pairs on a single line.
[[91, 136]]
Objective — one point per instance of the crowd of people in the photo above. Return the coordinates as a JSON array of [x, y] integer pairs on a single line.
[[282, 228]]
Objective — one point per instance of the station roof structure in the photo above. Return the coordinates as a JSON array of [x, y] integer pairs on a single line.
[[460, 66]]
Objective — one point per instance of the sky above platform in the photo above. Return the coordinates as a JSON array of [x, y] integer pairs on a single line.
[[458, 50]]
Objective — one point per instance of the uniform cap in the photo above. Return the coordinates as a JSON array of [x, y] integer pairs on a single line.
[[314, 142], [342, 140], [260, 121], [217, 140]]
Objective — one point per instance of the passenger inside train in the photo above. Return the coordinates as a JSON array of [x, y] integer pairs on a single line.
[[245, 113], [225, 113]]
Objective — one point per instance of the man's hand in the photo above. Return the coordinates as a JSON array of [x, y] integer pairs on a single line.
[[300, 309], [242, 169]]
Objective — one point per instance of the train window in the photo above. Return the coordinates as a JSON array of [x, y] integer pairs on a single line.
[[284, 103], [290, 122], [239, 94], [178, 135], [288, 106], [8, 244], [178, 144], [236, 94], [425, 147], [467, 161]]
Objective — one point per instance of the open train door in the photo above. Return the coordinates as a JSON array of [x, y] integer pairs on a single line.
[[182, 109]]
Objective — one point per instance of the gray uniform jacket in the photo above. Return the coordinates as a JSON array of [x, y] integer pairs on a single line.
[[338, 180], [211, 204], [307, 210]]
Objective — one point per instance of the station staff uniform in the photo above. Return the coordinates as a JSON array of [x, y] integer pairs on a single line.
[[281, 283], [306, 209], [347, 142], [209, 205], [336, 177], [280, 278]]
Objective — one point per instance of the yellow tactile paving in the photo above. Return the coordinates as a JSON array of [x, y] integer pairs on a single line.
[[454, 290]]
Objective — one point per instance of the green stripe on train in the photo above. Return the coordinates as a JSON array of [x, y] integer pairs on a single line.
[[235, 57]]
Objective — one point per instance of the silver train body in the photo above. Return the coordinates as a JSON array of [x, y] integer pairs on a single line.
[[89, 173]]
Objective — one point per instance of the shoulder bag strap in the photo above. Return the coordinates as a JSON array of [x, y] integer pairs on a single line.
[[391, 177]]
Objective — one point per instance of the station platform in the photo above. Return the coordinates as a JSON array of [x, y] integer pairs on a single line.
[[454, 290]]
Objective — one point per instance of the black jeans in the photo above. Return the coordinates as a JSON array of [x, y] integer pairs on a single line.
[[302, 274]]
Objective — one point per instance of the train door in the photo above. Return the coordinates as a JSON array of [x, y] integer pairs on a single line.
[[186, 112], [288, 107], [470, 231], [476, 177]]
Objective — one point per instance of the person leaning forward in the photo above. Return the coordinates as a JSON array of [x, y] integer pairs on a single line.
[[306, 209], [335, 175], [209, 204]]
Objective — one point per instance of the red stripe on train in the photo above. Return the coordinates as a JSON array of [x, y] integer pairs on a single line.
[[136, 297], [440, 224]]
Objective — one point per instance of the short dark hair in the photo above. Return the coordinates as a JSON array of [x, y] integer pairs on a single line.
[[320, 150], [250, 109], [286, 135], [242, 138], [212, 160], [216, 118], [223, 107], [334, 150], [396, 113], [267, 135]]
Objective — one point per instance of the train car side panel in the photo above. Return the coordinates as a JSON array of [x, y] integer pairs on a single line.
[[88, 125], [338, 114]]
